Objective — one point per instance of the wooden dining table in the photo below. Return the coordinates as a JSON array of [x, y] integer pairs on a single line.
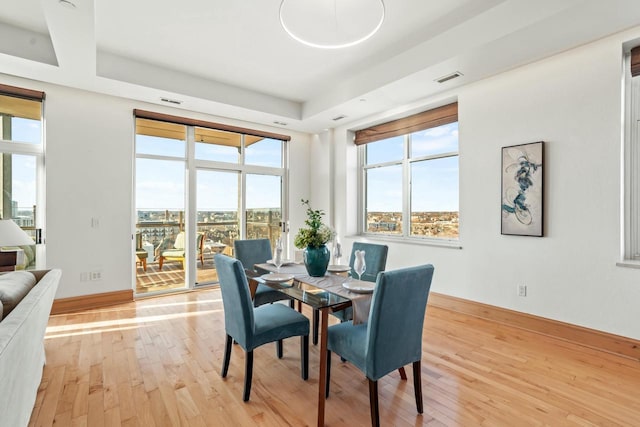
[[324, 294]]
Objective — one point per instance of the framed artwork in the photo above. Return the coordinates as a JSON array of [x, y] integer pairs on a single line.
[[522, 195]]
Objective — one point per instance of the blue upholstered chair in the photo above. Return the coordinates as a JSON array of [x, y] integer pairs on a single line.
[[392, 337], [252, 327], [256, 251], [375, 257]]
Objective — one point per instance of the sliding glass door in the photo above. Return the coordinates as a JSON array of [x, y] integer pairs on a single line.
[[264, 207], [198, 189], [218, 225]]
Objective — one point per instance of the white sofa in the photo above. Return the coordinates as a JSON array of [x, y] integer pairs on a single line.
[[22, 345]]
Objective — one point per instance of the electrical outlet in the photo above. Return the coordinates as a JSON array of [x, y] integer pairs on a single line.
[[522, 290], [95, 275], [84, 276]]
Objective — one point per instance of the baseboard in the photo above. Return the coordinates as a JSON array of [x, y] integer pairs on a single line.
[[85, 302], [591, 338]]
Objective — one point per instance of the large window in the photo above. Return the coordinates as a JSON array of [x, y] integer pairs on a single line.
[[632, 157], [201, 185], [410, 176], [22, 165]]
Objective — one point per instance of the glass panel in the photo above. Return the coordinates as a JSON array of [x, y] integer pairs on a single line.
[[160, 200], [386, 150], [160, 138], [19, 197], [434, 198], [384, 200], [438, 140], [217, 145], [20, 120], [263, 151], [264, 207], [217, 196]]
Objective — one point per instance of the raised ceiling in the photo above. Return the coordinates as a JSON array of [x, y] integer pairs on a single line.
[[232, 58]]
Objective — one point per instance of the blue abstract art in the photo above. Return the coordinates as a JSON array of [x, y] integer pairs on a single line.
[[522, 196]]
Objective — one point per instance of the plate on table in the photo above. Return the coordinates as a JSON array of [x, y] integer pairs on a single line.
[[334, 268], [284, 262], [277, 277], [359, 287]]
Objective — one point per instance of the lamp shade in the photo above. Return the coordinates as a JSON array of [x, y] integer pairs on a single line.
[[12, 235]]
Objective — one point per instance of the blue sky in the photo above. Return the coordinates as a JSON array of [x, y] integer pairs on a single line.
[[434, 182], [160, 183], [24, 166]]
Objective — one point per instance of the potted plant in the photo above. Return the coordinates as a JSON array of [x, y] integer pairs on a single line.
[[313, 239]]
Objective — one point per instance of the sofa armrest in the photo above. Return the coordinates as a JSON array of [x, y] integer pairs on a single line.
[[38, 273]]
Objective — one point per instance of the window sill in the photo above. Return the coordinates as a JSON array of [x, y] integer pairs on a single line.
[[628, 263], [449, 244]]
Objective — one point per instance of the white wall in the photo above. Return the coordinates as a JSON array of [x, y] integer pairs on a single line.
[[89, 163], [572, 102]]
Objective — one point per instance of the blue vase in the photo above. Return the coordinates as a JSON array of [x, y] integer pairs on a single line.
[[316, 260]]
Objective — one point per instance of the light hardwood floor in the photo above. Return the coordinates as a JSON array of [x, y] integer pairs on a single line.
[[156, 362]]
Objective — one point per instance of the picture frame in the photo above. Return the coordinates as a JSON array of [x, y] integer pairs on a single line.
[[522, 195]]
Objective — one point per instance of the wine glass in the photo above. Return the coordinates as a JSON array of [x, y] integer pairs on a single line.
[[359, 265], [337, 252], [277, 256]]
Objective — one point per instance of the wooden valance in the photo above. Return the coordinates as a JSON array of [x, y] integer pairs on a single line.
[[21, 93], [142, 114], [421, 121]]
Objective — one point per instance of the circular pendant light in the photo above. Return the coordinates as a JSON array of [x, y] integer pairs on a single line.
[[331, 24]]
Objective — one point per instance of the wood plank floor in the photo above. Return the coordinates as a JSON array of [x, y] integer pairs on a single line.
[[156, 362]]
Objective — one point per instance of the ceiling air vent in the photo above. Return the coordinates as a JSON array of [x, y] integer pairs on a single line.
[[449, 77], [171, 101], [335, 119]]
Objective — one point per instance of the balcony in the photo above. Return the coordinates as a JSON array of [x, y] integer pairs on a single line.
[[219, 231]]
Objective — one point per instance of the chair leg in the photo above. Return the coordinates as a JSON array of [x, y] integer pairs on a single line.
[[227, 356], [326, 389], [342, 359], [316, 322], [373, 402], [403, 373], [304, 356], [248, 373], [279, 349], [417, 385], [160, 261], [292, 303]]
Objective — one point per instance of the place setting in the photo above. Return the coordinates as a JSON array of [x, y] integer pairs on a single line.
[[359, 286]]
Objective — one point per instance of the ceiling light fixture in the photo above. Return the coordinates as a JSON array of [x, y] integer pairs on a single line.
[[331, 24]]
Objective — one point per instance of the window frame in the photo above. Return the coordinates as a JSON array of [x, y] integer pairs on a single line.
[[192, 165], [631, 166], [26, 148], [406, 163]]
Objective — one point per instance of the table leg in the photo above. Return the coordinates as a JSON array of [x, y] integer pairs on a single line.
[[322, 380]]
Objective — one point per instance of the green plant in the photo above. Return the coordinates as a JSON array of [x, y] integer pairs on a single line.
[[316, 233]]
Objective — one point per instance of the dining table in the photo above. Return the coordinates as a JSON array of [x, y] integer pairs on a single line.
[[326, 293]]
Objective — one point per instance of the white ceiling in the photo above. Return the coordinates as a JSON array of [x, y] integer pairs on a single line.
[[232, 58]]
